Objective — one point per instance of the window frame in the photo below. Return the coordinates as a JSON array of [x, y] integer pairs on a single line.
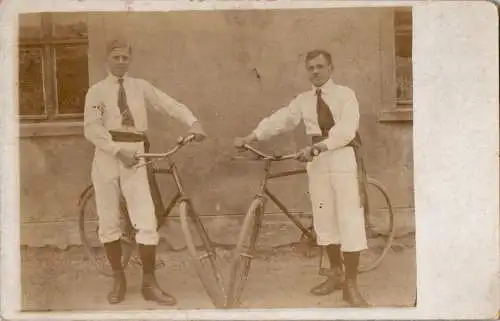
[[44, 115], [47, 44], [393, 110], [403, 30]]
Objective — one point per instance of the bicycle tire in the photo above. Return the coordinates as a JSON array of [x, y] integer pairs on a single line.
[[95, 250], [240, 265], [210, 277], [376, 250]]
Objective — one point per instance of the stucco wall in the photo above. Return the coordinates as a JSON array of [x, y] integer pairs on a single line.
[[231, 69]]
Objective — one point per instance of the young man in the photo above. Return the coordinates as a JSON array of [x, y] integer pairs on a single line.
[[330, 114], [115, 121]]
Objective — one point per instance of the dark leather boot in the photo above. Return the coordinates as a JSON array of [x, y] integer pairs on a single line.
[[117, 293], [352, 296], [150, 289], [336, 280], [350, 291], [332, 283], [114, 255]]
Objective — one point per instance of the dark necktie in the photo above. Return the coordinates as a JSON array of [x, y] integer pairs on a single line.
[[325, 117], [127, 119]]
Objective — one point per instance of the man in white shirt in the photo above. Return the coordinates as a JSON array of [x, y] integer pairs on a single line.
[[330, 113], [115, 120]]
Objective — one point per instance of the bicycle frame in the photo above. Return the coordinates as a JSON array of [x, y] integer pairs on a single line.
[[163, 212], [264, 191]]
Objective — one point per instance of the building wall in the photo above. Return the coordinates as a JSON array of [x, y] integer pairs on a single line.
[[231, 69]]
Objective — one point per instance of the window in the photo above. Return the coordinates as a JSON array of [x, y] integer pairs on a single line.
[[53, 66], [403, 53]]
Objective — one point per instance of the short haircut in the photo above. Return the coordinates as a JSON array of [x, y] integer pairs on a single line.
[[118, 43], [319, 52]]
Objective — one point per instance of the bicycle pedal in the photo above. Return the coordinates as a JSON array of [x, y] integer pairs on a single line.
[[159, 264], [326, 272], [135, 260], [371, 233], [247, 255]]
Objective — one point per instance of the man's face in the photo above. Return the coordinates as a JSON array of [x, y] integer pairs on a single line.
[[319, 70], [119, 61]]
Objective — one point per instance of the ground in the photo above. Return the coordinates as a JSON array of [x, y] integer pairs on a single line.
[[55, 280]]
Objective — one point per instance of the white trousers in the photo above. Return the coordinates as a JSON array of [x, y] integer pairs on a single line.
[[110, 179], [336, 205]]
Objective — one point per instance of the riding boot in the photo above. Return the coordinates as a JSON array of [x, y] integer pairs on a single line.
[[334, 281], [114, 255], [150, 289], [351, 292]]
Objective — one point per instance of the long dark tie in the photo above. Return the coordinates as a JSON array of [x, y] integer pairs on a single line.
[[325, 117], [127, 119]]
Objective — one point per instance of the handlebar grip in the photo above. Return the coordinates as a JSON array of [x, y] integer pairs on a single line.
[[185, 139], [316, 151]]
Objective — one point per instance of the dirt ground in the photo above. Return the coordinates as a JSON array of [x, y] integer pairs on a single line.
[[57, 280]]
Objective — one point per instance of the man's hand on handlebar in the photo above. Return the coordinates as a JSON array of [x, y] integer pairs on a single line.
[[240, 142], [305, 154], [127, 157], [198, 132]]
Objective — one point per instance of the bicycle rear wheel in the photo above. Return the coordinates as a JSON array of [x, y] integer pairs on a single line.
[[203, 257], [380, 225], [88, 230], [245, 248]]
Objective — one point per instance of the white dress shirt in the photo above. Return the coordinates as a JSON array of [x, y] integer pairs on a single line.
[[102, 113], [342, 103]]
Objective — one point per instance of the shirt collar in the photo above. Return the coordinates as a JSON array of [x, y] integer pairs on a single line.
[[114, 79], [327, 87]]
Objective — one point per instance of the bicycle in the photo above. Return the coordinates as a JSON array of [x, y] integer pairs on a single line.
[[247, 239], [203, 257]]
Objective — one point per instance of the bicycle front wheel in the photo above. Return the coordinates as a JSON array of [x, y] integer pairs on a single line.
[[245, 249], [88, 226], [203, 257], [379, 225]]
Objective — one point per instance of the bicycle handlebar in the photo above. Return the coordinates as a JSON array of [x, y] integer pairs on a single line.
[[181, 142], [263, 156]]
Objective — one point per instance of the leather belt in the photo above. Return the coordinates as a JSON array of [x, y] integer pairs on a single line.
[[319, 138], [127, 137]]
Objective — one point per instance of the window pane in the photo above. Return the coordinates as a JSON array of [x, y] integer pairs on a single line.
[[72, 78], [69, 25], [403, 18], [404, 79], [30, 26], [403, 45], [31, 101], [403, 51]]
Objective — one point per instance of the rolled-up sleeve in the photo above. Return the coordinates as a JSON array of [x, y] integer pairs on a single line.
[[93, 124], [346, 127], [167, 105], [281, 121]]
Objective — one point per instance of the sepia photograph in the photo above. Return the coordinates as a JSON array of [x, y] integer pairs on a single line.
[[232, 159]]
